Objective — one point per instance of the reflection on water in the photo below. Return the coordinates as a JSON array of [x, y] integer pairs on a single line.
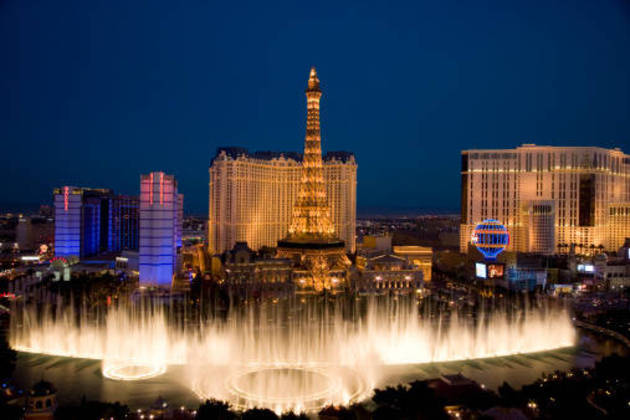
[[75, 378]]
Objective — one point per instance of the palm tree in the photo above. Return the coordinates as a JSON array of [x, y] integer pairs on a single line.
[[561, 247]]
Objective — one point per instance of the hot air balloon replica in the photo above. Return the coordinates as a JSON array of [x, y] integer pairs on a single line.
[[491, 238]]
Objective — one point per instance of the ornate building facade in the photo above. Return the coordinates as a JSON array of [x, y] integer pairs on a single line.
[[549, 198], [247, 271], [390, 274]]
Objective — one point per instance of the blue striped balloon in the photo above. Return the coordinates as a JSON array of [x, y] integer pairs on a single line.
[[491, 238]]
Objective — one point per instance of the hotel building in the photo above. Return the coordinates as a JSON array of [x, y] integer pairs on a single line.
[[161, 209], [550, 198], [390, 274], [90, 221], [125, 222], [81, 221], [252, 196]]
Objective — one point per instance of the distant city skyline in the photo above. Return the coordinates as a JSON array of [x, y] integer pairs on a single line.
[[93, 95]]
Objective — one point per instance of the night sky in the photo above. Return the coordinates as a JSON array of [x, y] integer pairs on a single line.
[[93, 93]]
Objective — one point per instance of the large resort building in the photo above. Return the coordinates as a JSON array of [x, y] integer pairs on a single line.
[[252, 196], [551, 199]]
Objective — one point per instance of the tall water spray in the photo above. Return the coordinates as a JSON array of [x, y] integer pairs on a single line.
[[287, 356]]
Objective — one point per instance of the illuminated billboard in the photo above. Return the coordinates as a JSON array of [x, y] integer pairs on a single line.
[[480, 270], [495, 271], [489, 270], [586, 268]]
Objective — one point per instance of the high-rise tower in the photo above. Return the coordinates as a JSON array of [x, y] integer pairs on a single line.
[[311, 213], [160, 228], [319, 255]]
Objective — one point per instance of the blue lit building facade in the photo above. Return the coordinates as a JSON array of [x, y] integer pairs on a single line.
[[161, 212], [96, 232], [90, 221], [523, 279], [68, 221], [125, 223]]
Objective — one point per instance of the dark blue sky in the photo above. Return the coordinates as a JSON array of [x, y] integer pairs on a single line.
[[93, 93]]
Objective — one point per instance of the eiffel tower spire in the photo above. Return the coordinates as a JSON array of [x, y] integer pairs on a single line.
[[311, 214], [319, 258]]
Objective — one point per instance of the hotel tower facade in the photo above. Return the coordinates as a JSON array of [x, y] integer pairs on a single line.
[[92, 221], [161, 213], [252, 196], [551, 199]]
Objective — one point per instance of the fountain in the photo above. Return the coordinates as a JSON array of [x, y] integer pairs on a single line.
[[294, 355]]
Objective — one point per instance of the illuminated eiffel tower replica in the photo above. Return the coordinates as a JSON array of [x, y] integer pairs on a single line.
[[318, 255]]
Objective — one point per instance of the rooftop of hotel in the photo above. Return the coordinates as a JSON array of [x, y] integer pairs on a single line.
[[237, 152], [412, 249], [527, 146]]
